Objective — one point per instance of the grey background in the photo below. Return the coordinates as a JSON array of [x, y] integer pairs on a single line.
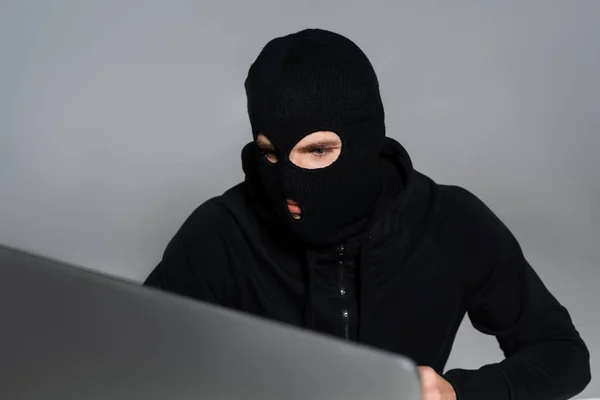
[[117, 118]]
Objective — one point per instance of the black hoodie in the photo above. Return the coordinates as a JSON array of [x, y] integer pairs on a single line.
[[433, 254]]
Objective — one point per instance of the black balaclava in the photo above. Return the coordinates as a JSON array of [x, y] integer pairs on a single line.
[[309, 81]]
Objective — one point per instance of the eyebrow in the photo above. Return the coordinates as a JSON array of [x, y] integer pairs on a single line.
[[322, 144], [264, 144]]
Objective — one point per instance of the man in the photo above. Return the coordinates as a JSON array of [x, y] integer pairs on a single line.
[[333, 230]]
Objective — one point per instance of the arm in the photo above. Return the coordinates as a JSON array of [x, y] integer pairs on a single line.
[[195, 263], [545, 356]]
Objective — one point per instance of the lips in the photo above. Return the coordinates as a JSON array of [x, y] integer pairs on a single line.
[[294, 208]]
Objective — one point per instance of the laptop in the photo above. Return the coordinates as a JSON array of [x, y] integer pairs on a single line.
[[70, 333]]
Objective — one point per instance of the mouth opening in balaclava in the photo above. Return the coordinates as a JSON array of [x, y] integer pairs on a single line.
[[312, 81]]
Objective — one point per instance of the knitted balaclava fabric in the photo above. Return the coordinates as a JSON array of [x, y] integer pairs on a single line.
[[310, 81]]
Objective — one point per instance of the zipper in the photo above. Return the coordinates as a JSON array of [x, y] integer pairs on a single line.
[[343, 295]]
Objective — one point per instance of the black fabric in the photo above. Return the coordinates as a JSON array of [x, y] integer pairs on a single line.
[[310, 81], [435, 254]]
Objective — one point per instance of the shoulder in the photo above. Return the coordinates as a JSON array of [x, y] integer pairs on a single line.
[[216, 215], [459, 199], [465, 212], [454, 215], [448, 206], [211, 231], [220, 227], [474, 234], [470, 222], [196, 261]]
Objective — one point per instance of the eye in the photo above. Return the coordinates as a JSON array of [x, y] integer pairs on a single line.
[[270, 155], [321, 151]]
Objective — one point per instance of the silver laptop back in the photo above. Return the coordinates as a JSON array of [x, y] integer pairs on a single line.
[[68, 333]]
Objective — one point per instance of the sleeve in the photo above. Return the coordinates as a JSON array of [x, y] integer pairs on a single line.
[[195, 263], [545, 357]]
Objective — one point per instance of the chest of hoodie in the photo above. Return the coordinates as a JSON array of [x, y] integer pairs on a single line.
[[401, 291]]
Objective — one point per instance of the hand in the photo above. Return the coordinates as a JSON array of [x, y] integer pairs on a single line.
[[434, 386]]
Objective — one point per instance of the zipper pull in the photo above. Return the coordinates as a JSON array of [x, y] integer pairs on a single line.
[[341, 249]]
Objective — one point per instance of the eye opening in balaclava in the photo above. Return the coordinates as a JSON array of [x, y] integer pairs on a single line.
[[311, 81], [314, 151], [317, 150], [267, 147]]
